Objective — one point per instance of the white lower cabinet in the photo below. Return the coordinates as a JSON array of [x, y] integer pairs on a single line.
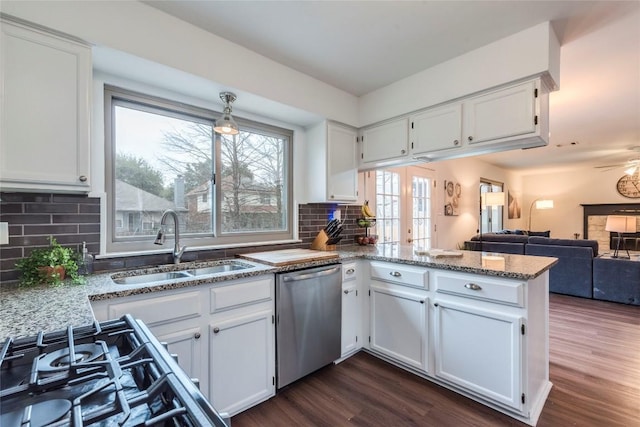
[[398, 327], [186, 342], [480, 350], [222, 333], [242, 362]]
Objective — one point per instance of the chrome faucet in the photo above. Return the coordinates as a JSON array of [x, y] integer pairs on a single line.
[[177, 250]]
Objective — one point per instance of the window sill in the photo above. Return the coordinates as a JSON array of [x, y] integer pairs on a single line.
[[169, 248]]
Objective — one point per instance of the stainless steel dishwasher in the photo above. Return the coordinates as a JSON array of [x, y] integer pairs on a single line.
[[308, 321]]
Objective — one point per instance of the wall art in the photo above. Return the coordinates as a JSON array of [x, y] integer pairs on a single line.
[[513, 206], [452, 194]]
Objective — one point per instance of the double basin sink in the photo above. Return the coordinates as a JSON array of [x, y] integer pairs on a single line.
[[139, 279]]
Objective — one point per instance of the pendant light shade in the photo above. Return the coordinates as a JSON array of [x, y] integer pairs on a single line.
[[225, 124]]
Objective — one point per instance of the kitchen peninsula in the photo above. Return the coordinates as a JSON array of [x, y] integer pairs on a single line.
[[452, 308]]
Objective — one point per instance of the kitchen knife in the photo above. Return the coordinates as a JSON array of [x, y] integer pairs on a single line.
[[333, 240]]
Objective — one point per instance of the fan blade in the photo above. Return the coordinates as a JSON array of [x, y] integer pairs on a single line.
[[611, 166]]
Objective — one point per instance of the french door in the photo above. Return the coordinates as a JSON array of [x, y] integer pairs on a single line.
[[404, 205]]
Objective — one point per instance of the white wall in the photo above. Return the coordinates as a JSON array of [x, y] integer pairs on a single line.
[[454, 230], [529, 53], [143, 31], [569, 190]]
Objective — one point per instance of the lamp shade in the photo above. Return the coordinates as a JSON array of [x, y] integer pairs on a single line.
[[544, 204], [493, 199], [621, 224]]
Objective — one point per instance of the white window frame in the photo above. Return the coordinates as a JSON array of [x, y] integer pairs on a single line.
[[217, 237]]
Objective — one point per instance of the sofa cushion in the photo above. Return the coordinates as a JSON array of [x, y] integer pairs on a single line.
[[572, 275], [503, 238], [540, 233], [593, 244], [616, 280]]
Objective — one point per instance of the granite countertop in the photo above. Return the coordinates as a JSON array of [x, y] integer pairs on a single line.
[[27, 311]]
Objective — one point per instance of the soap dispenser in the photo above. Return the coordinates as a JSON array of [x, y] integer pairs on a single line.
[[86, 264]]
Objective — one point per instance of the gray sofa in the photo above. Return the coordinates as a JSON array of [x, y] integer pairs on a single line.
[[572, 275]]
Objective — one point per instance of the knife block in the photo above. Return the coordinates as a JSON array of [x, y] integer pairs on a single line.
[[320, 242]]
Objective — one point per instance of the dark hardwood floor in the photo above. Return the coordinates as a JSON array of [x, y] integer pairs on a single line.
[[594, 368]]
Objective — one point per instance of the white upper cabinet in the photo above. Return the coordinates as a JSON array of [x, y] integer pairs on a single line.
[[385, 144], [332, 163], [44, 109], [506, 113], [437, 129], [515, 116], [342, 166]]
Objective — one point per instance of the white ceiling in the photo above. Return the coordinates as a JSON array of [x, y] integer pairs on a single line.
[[360, 46]]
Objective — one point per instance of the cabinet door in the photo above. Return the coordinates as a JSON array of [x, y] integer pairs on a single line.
[[399, 325], [188, 346], [44, 142], [342, 164], [242, 361], [350, 318], [480, 350], [437, 129], [385, 142], [505, 113]]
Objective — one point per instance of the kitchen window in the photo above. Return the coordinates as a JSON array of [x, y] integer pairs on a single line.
[[164, 155]]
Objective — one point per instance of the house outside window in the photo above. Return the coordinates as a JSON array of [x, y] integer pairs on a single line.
[[164, 155]]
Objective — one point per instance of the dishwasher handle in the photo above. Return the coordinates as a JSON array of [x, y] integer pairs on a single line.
[[296, 277]]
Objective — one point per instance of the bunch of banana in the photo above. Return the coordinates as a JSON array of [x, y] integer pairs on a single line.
[[366, 210]]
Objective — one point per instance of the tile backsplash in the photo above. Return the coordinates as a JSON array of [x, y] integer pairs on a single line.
[[73, 219]]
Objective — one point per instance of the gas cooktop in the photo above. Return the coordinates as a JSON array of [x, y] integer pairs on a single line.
[[110, 373]]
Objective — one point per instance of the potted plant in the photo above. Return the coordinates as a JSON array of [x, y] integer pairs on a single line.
[[49, 265]]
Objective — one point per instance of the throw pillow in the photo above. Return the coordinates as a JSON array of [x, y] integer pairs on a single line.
[[540, 233]]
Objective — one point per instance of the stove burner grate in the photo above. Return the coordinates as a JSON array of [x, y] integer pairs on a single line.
[[38, 414], [59, 360]]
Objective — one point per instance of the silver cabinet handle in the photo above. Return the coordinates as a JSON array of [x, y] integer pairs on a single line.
[[350, 271], [197, 335], [473, 287], [82, 178], [346, 291], [403, 151], [456, 142], [395, 273], [470, 138], [216, 330]]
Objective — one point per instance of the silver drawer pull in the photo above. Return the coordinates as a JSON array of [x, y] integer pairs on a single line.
[[473, 287], [395, 273], [350, 271]]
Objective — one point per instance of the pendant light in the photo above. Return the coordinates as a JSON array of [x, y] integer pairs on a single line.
[[225, 124]]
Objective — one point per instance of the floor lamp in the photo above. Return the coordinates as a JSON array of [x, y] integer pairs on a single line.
[[488, 200], [539, 204], [620, 224]]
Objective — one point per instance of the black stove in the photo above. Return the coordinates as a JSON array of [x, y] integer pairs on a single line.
[[106, 374]]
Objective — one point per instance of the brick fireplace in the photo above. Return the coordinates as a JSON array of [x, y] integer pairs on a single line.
[[595, 218]]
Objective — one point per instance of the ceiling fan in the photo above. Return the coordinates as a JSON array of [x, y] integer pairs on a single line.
[[630, 167]]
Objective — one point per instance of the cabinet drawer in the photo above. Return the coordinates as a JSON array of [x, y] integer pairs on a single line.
[[349, 271], [400, 274], [502, 291], [159, 310], [226, 297]]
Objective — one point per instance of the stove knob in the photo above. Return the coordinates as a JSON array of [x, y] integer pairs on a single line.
[[165, 345], [174, 357], [196, 382]]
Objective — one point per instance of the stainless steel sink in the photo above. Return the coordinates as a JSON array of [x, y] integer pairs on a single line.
[[215, 269], [151, 277], [139, 279]]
